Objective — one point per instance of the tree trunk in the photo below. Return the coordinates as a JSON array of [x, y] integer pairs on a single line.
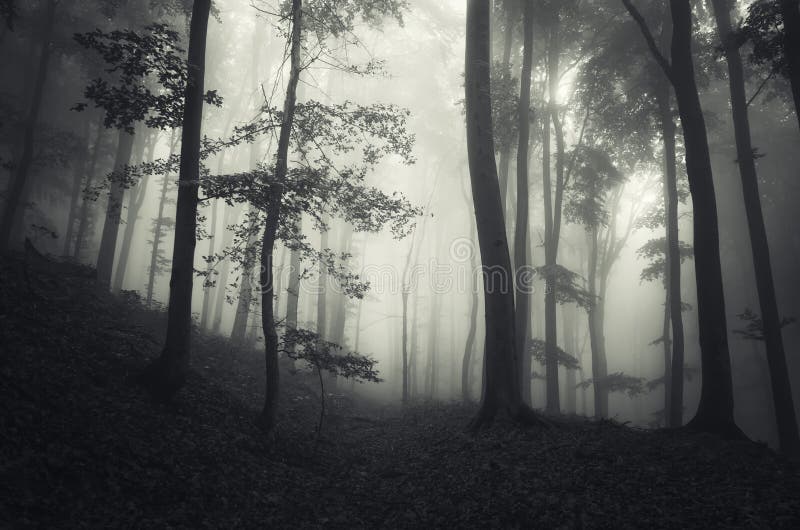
[[501, 388], [322, 289], [791, 48], [78, 172], [158, 228], [208, 292], [776, 356], [599, 362], [83, 217], [267, 418], [523, 281], [674, 346], [552, 222], [15, 196], [168, 373], [116, 195], [469, 346], [715, 411], [245, 299], [230, 216], [135, 201], [505, 151]]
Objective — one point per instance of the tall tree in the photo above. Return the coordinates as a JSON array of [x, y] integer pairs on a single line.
[[167, 374], [501, 387], [745, 157], [522, 264], [267, 418], [790, 11], [715, 410], [15, 196]]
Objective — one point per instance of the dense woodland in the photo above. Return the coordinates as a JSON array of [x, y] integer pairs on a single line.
[[526, 255]]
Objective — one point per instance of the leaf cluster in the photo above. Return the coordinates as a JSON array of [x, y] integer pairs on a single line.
[[308, 346], [147, 77]]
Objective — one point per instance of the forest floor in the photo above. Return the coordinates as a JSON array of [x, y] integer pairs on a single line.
[[81, 445]]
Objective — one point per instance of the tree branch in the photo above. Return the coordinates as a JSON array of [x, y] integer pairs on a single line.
[[648, 37]]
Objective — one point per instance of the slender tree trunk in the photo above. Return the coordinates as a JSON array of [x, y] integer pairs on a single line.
[[469, 346], [267, 418], [759, 244], [230, 216], [552, 224], [505, 151], [135, 201], [116, 195], [245, 299], [674, 346], [322, 290], [15, 196], [523, 280], [791, 48], [501, 388], [168, 373], [599, 362], [158, 228], [208, 292], [83, 217], [78, 172]]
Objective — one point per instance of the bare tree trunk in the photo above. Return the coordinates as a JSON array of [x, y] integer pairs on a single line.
[[136, 199], [230, 216], [15, 196], [245, 300], [501, 388], [168, 373], [83, 217], [469, 346], [759, 244], [505, 152], [552, 221], [116, 195], [78, 172], [523, 278], [158, 228]]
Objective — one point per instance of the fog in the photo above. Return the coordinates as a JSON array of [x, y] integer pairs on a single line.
[[420, 67]]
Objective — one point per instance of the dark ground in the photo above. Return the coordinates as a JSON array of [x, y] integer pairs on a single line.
[[82, 446]]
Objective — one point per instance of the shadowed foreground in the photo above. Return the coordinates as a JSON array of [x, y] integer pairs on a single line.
[[82, 445]]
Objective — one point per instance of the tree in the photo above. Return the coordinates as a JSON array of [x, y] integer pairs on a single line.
[[745, 157], [790, 12], [15, 195], [167, 374], [521, 236], [501, 388], [715, 411]]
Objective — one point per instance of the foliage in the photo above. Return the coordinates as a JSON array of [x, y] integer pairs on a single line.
[[754, 325], [536, 348], [568, 286], [655, 251], [505, 103], [307, 346], [763, 29], [137, 60], [595, 176], [689, 372], [618, 382]]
